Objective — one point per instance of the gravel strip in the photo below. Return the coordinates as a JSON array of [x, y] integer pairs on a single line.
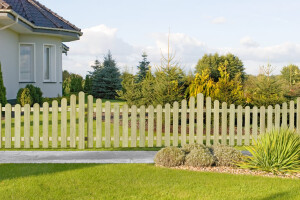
[[231, 170]]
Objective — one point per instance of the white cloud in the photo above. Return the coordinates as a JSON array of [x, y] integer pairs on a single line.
[[219, 20], [96, 41], [248, 42]]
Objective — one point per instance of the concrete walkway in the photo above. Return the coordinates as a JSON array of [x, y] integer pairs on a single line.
[[108, 157]]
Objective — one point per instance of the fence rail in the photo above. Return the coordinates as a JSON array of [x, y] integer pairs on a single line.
[[92, 125]]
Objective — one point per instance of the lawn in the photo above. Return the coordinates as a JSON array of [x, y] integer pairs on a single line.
[[135, 181]]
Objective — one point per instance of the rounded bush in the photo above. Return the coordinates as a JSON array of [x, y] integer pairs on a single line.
[[26, 97], [200, 158], [226, 156], [189, 147], [170, 157], [31, 96]]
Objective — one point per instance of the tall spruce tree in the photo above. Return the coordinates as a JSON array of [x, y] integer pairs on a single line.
[[106, 81], [3, 99], [143, 68]]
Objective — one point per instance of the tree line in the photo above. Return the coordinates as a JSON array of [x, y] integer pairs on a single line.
[[221, 77]]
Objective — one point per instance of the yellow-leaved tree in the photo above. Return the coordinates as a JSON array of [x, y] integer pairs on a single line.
[[202, 84]]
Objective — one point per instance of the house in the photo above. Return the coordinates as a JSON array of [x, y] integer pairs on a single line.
[[31, 46]]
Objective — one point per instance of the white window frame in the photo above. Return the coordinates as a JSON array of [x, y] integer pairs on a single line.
[[34, 63], [52, 70]]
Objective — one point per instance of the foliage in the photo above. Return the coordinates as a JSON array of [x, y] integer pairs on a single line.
[[87, 84], [66, 75], [187, 148], [143, 68], [76, 83], [212, 62], [26, 98], [201, 157], [106, 81], [30, 95], [169, 157], [202, 84], [97, 65], [226, 156], [265, 89], [3, 99], [277, 151], [66, 86], [291, 74], [228, 90]]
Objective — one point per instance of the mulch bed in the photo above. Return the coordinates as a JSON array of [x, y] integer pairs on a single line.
[[236, 171]]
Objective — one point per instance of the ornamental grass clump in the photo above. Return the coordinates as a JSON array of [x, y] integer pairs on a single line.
[[226, 156], [277, 151], [169, 157], [187, 148], [201, 157]]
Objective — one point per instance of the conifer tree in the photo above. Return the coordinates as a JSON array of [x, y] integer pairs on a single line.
[[143, 68], [87, 84], [3, 99], [106, 81]]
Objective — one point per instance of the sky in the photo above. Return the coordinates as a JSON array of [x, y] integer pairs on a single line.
[[258, 32]]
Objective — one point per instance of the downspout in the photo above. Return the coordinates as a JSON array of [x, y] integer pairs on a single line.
[[10, 25]]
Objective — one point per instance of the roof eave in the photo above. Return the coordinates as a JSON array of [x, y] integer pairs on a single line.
[[40, 29]]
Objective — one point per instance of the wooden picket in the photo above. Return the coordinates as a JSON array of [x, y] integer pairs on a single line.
[[194, 121]]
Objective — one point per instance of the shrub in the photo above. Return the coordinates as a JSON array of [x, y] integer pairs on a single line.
[[226, 156], [3, 99], [200, 158], [31, 96], [170, 157], [277, 151], [189, 147], [26, 98]]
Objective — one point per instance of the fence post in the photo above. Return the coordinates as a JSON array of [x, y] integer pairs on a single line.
[[232, 125], [255, 121], [240, 126], [167, 125], [192, 121], [277, 116], [17, 126], [64, 121], [175, 123], [262, 116], [284, 115], [292, 115], [125, 126], [107, 125], [7, 126], [73, 116], [81, 131], [36, 126], [224, 123], [159, 126], [133, 125], [270, 118], [247, 126], [216, 122], [200, 107], [183, 122], [90, 134], [98, 123], [208, 120], [142, 126], [150, 125], [27, 126], [54, 124], [45, 125], [116, 125]]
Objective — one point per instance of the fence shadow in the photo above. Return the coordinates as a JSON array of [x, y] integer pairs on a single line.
[[15, 171]]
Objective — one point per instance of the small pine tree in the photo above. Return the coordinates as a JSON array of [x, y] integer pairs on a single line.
[[130, 89], [143, 68], [87, 84], [3, 99], [106, 81]]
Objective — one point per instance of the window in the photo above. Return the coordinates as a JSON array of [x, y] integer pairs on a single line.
[[49, 63], [26, 62]]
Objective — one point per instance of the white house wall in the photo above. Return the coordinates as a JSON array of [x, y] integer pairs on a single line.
[[9, 57]]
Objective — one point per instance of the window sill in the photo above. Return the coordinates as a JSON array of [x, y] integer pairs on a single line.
[[49, 82], [27, 82]]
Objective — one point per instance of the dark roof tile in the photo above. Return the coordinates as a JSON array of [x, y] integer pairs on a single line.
[[37, 14]]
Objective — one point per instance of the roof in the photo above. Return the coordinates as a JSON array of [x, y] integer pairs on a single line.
[[37, 14]]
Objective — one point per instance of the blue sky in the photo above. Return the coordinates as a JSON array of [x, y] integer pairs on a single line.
[[256, 31]]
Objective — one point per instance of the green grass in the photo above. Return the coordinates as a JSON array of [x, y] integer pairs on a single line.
[[135, 181]]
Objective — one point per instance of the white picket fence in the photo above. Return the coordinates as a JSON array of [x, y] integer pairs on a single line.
[[92, 126]]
